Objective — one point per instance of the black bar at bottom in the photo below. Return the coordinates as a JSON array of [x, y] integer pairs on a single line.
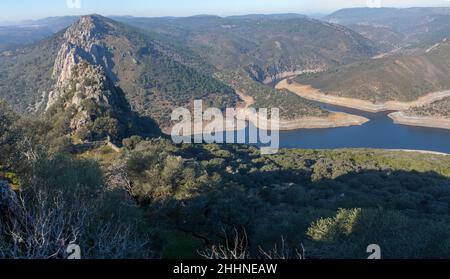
[[173, 269]]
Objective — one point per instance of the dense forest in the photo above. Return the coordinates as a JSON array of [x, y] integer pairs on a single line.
[[156, 199]]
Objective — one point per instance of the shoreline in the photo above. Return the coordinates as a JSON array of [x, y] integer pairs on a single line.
[[333, 120], [429, 122], [313, 94], [418, 151]]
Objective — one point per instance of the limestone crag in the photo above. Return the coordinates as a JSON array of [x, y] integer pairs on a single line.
[[83, 42]]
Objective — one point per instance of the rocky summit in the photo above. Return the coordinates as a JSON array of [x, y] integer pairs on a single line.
[[93, 106], [82, 44]]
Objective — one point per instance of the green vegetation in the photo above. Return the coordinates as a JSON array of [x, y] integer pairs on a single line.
[[153, 199], [291, 106], [265, 46], [26, 74], [392, 78], [156, 74], [57, 199], [436, 109], [390, 198], [190, 197], [91, 108]]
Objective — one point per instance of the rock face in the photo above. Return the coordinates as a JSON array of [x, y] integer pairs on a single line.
[[85, 94], [83, 43], [89, 94]]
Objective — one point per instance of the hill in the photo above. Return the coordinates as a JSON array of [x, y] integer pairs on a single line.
[[393, 78], [26, 74], [436, 109], [392, 28], [154, 75], [18, 37], [24, 33], [267, 47]]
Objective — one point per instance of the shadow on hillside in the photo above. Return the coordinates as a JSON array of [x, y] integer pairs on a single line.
[[407, 212], [135, 123]]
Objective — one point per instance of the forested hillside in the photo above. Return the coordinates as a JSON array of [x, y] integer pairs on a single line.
[[190, 197], [26, 74], [392, 78], [154, 76], [267, 47], [291, 106]]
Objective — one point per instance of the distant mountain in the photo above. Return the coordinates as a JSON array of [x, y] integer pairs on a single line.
[[20, 34], [13, 37], [269, 16], [391, 78], [267, 47], [412, 27], [154, 75], [26, 74], [55, 24]]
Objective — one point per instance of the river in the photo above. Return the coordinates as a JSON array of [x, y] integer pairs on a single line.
[[379, 132]]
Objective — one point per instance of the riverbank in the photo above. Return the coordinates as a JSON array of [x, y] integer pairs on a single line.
[[334, 120], [313, 94], [430, 122], [419, 151]]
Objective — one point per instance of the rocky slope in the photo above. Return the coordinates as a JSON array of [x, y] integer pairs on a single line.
[[93, 107], [155, 75], [85, 94]]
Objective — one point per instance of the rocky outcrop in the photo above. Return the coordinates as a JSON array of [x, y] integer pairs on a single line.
[[85, 94], [88, 93], [83, 42]]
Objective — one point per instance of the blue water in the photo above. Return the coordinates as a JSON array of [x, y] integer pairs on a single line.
[[379, 132]]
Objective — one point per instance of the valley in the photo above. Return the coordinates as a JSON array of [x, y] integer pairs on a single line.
[[86, 156]]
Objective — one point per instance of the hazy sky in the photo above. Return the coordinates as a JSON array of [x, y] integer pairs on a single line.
[[11, 10]]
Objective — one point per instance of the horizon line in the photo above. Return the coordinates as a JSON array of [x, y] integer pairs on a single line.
[[311, 13]]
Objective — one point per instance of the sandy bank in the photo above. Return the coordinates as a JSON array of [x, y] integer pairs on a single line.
[[431, 122], [333, 120], [245, 115], [313, 94]]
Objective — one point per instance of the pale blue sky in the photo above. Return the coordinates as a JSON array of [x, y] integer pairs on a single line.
[[11, 10]]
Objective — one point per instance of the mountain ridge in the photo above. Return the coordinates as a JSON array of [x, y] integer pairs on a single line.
[[156, 77]]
